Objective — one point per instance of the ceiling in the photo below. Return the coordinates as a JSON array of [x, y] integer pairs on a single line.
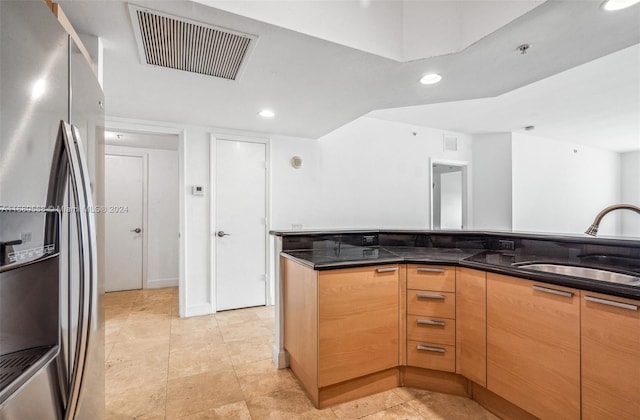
[[449, 26], [316, 86], [596, 104]]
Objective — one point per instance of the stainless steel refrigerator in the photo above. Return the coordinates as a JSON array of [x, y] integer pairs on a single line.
[[51, 134]]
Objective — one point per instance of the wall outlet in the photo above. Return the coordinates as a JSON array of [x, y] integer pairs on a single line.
[[369, 240], [296, 225], [507, 245]]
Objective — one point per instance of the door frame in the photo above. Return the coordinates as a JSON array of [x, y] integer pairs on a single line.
[[213, 205], [137, 126], [110, 149], [464, 165]]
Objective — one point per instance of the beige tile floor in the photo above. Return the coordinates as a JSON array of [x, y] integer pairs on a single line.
[[159, 366]]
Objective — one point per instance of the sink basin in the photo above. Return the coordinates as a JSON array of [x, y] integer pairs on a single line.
[[613, 260], [584, 272]]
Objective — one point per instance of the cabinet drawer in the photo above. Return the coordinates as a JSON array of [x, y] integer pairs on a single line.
[[431, 356], [427, 303], [431, 329], [431, 277]]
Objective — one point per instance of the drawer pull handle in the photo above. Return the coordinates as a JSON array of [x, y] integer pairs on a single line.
[[612, 303], [430, 296], [552, 291], [431, 270], [430, 322], [386, 270], [430, 348]]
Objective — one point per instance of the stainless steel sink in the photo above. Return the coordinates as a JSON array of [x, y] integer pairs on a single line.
[[584, 272]]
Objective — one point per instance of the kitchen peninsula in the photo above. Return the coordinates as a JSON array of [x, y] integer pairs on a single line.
[[522, 323]]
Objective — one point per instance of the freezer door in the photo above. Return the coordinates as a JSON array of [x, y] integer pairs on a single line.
[[34, 86]]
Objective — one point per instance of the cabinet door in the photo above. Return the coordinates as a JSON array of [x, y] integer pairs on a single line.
[[610, 357], [358, 322], [533, 346], [471, 326]]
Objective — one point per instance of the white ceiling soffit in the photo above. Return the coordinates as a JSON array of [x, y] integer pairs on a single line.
[[402, 30], [596, 104], [182, 44]]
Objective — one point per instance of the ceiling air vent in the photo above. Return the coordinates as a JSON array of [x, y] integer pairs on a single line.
[[178, 43]]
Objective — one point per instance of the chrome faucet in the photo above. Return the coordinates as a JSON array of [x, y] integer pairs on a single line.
[[593, 229]]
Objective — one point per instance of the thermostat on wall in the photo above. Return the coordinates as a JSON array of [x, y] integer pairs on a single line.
[[197, 190]]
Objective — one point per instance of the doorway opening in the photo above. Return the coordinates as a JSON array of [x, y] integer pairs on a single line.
[[142, 183], [449, 198]]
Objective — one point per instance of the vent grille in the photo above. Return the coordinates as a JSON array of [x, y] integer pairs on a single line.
[[177, 43]]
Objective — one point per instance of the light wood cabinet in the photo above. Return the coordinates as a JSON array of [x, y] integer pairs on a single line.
[[432, 329], [358, 322], [471, 324], [431, 277], [610, 357], [431, 303], [300, 309], [553, 351], [431, 313], [533, 346], [341, 329]]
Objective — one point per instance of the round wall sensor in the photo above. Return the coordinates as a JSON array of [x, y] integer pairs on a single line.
[[296, 162]]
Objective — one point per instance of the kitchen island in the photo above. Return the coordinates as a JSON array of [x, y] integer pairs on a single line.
[[488, 315]]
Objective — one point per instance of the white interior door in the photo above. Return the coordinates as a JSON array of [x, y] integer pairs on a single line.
[[124, 199], [240, 224]]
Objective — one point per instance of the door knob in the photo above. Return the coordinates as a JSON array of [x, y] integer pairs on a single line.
[[136, 230], [221, 234]]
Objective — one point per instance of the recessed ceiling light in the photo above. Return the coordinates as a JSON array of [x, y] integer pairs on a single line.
[[267, 113], [430, 79], [612, 5]]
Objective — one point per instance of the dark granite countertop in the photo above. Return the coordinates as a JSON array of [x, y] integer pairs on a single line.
[[342, 257], [424, 255], [507, 263], [547, 236], [501, 262]]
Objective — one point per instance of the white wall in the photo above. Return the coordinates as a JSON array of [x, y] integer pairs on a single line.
[[295, 198], [630, 193], [560, 187], [162, 222], [162, 213], [375, 174], [369, 173], [492, 181]]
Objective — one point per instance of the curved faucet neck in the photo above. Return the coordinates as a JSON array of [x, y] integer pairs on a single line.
[[593, 229]]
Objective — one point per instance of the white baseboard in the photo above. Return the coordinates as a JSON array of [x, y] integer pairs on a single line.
[[198, 310], [280, 357], [158, 283]]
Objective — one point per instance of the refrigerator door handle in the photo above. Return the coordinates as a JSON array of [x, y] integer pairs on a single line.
[[69, 165], [88, 267]]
